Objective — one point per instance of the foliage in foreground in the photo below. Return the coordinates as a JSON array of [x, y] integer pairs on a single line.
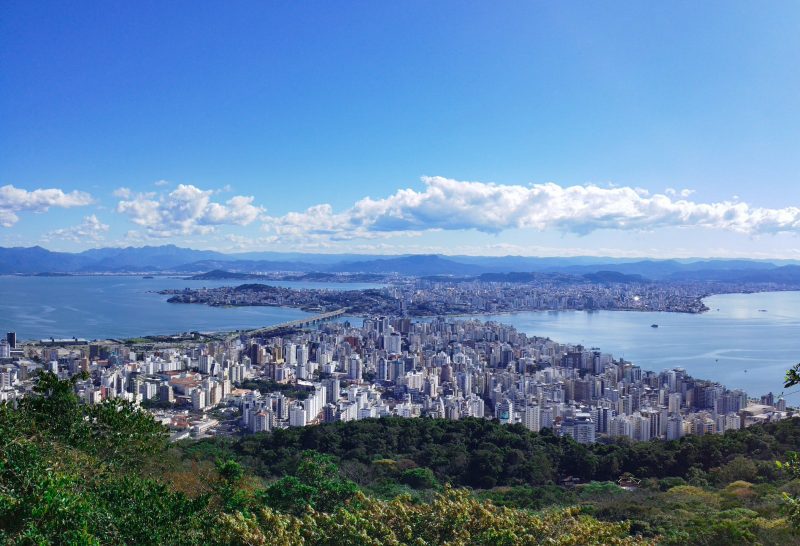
[[454, 517], [483, 454], [75, 474]]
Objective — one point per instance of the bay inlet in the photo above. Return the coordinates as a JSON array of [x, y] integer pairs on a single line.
[[744, 341]]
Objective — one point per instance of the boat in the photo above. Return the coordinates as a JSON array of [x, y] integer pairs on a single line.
[[148, 277], [654, 326]]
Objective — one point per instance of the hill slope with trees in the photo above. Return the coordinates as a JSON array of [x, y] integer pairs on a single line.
[[105, 474]]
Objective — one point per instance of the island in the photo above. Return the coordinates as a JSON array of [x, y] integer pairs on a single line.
[[442, 295]]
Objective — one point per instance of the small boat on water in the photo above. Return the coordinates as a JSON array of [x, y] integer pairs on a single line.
[[654, 326]]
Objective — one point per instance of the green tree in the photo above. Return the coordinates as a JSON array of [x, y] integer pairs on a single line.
[[316, 485]]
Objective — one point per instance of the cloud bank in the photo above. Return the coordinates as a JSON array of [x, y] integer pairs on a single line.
[[446, 204], [90, 229], [186, 210], [15, 200]]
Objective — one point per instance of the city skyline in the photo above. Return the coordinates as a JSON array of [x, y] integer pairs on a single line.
[[634, 131]]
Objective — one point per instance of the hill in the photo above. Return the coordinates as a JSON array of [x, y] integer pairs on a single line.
[[417, 265], [103, 474], [173, 259]]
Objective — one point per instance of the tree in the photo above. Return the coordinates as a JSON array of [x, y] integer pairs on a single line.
[[316, 485], [792, 464], [419, 478]]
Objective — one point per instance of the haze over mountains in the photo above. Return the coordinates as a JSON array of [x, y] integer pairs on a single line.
[[173, 259]]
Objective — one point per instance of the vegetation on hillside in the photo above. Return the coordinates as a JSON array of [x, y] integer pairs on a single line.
[[483, 454], [714, 489], [77, 474]]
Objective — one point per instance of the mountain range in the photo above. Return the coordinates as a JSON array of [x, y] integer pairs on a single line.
[[172, 259]]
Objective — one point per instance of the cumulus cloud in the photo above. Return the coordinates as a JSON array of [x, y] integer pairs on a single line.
[[15, 200], [90, 229], [122, 193], [446, 204], [187, 210], [672, 192]]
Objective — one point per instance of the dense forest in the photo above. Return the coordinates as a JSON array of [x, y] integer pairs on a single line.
[[105, 474], [483, 454]]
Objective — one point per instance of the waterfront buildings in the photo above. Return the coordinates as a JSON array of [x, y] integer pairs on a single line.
[[443, 368]]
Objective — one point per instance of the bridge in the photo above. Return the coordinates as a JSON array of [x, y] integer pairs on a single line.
[[299, 323]]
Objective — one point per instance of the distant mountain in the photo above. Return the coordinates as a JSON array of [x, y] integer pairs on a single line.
[[660, 269], [219, 274], [785, 274], [522, 277], [531, 263], [244, 266], [147, 257], [38, 260], [604, 277], [538, 276], [418, 265], [174, 259]]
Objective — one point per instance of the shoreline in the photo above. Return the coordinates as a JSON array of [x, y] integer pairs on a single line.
[[218, 333], [702, 299]]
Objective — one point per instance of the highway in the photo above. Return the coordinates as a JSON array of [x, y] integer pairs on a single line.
[[300, 323]]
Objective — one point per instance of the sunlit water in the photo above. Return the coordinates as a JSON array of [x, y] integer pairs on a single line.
[[95, 307], [734, 343]]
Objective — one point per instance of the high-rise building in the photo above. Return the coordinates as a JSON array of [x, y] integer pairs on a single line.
[[165, 393], [297, 415], [11, 338], [262, 421], [355, 368], [392, 343], [531, 418], [581, 428], [198, 399], [505, 411], [674, 427], [674, 405]]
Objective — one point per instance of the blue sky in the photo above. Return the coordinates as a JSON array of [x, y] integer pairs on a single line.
[[631, 128]]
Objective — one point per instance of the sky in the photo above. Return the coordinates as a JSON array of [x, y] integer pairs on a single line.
[[631, 129]]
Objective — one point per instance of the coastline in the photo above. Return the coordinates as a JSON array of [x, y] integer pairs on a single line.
[[714, 345], [702, 308], [475, 314]]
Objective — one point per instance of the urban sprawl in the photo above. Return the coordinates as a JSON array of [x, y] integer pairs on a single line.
[[386, 366], [448, 296]]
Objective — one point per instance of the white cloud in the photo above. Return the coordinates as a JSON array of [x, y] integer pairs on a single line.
[[122, 193], [672, 192], [14, 200], [90, 229], [446, 204], [187, 210], [161, 183], [240, 242]]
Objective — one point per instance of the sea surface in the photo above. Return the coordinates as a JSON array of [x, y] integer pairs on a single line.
[[745, 341], [101, 307]]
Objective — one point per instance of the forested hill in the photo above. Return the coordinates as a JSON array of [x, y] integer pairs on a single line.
[[481, 453], [72, 473], [103, 474]]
